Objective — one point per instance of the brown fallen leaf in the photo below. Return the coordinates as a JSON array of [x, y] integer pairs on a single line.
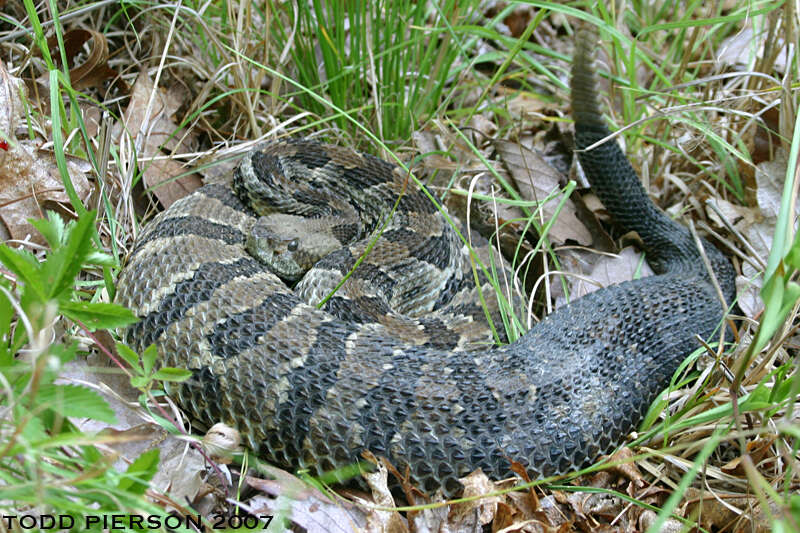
[[624, 266], [757, 450], [594, 271], [30, 180], [720, 510], [522, 103], [181, 468], [482, 510], [766, 139], [154, 130], [736, 50], [626, 467], [286, 496], [94, 70], [522, 472], [380, 520], [536, 180], [757, 225], [548, 517]]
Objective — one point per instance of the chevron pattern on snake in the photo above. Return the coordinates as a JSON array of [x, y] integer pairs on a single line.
[[312, 388]]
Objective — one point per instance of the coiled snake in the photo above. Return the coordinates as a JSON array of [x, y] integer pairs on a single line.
[[314, 388]]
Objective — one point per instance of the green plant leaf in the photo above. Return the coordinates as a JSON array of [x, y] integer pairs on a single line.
[[779, 295], [149, 356], [793, 257], [52, 229], [63, 353], [98, 315], [27, 269], [96, 257], [77, 401], [6, 314], [33, 429], [64, 263], [140, 382], [784, 387], [131, 357], [140, 472], [172, 374]]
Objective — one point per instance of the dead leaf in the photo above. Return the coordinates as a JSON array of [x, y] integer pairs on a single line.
[[288, 496], [626, 265], [720, 510], [154, 130], [548, 517], [648, 518], [482, 510], [522, 472], [504, 517], [94, 70], [221, 442], [218, 171], [626, 467], [412, 493], [770, 176], [181, 468], [766, 139], [749, 296], [167, 180], [757, 226], [432, 520], [757, 450], [594, 271], [739, 49], [536, 180], [517, 21], [736, 50], [522, 103], [30, 180], [380, 520]]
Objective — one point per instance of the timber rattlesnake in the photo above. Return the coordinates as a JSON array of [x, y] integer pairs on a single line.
[[311, 390]]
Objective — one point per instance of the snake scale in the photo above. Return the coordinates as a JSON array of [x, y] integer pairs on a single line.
[[313, 388]]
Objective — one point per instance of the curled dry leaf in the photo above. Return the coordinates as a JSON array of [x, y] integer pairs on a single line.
[[523, 103], [432, 520], [740, 49], [30, 181], [482, 510], [377, 519], [757, 450], [151, 125], [648, 518], [749, 222], [221, 442], [766, 139], [94, 70], [288, 496], [749, 296], [610, 270], [626, 467], [757, 226]]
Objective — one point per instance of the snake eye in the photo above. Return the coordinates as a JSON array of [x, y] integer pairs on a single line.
[[292, 246]]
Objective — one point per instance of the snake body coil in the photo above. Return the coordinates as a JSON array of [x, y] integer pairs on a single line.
[[314, 388]]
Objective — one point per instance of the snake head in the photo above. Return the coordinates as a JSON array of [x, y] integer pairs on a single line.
[[287, 246]]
